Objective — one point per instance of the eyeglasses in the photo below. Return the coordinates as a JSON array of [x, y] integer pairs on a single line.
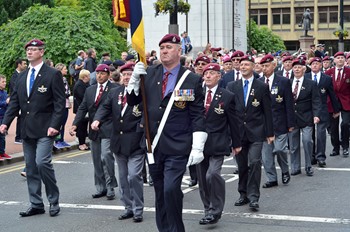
[[33, 49], [236, 59], [202, 63]]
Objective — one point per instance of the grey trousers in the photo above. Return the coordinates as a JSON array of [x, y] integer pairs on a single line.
[[38, 156], [211, 184], [295, 147], [131, 182], [321, 139], [279, 148], [103, 161]]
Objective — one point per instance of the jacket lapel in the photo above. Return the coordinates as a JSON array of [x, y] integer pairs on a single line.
[[215, 99], [251, 95], [159, 80], [40, 75]]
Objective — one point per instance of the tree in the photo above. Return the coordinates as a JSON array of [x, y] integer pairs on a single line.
[[63, 29], [262, 38]]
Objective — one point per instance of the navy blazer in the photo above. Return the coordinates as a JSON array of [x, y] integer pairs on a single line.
[[282, 104], [257, 114], [308, 104], [126, 134], [88, 106], [185, 117], [326, 91], [43, 108], [78, 94], [222, 124]]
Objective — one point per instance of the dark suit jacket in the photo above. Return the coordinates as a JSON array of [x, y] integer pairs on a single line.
[[282, 104], [88, 106], [343, 92], [222, 124], [13, 81], [185, 117], [280, 73], [326, 91], [43, 108], [126, 134], [257, 115], [308, 104], [78, 93], [230, 76]]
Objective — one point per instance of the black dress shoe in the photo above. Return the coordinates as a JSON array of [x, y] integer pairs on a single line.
[[203, 221], [31, 211], [192, 183], [235, 171], [210, 219], [269, 184], [101, 194], [313, 161], [334, 153], [321, 163], [54, 209], [285, 178], [254, 205], [296, 173], [309, 171], [110, 194], [242, 201], [126, 216], [137, 218], [346, 152]]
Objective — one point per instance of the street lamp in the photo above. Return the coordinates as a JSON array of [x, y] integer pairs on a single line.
[[341, 24], [173, 26]]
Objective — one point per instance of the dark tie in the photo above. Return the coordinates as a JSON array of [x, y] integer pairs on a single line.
[[238, 77], [267, 82], [338, 80], [315, 78], [165, 82], [295, 91], [124, 100], [245, 91], [32, 79], [287, 74], [99, 95], [208, 101]]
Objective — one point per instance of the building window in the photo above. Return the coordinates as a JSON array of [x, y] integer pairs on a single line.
[[299, 14], [281, 16], [259, 16], [328, 14], [346, 14]]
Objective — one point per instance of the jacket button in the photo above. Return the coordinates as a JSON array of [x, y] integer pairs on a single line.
[[27, 112], [28, 102], [244, 123], [121, 132], [160, 107], [121, 120]]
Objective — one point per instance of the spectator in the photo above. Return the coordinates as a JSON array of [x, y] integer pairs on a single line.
[[59, 142], [4, 100], [123, 56], [130, 59], [79, 64], [186, 43], [49, 63], [90, 63]]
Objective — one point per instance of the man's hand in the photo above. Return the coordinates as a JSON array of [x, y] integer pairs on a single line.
[[72, 130], [336, 115], [290, 129], [270, 139], [95, 125], [3, 129], [236, 151], [52, 132], [316, 120]]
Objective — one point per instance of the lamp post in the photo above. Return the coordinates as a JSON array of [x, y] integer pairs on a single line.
[[249, 24], [341, 24], [173, 26], [207, 21]]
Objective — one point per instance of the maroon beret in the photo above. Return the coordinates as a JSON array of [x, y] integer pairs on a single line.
[[34, 43], [237, 54], [339, 54], [285, 54], [312, 45], [326, 58], [348, 55], [287, 58], [315, 59], [266, 59], [247, 58], [211, 66], [170, 38], [302, 57], [129, 66], [226, 59], [215, 49], [102, 68], [202, 58], [299, 62]]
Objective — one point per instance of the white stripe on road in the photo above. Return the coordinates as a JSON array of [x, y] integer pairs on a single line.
[[194, 211]]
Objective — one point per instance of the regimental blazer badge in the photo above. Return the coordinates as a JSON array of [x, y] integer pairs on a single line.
[[42, 89], [136, 112], [279, 99], [180, 104], [302, 88], [255, 103], [347, 81], [219, 109]]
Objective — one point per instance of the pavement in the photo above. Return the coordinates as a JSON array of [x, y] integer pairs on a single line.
[[16, 150]]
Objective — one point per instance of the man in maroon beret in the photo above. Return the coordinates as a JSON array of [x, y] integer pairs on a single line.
[[253, 106], [102, 157], [181, 140], [39, 95], [125, 144], [341, 82], [326, 63], [287, 68], [326, 91], [283, 122], [227, 64], [199, 64], [307, 104], [234, 74], [220, 116]]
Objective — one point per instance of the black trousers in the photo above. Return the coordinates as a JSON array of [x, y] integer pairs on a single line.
[[344, 126]]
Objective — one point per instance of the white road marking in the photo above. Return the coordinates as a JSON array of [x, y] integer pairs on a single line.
[[343, 221]]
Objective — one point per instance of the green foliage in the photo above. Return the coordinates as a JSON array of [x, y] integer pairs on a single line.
[[70, 3], [167, 6], [65, 30], [263, 38]]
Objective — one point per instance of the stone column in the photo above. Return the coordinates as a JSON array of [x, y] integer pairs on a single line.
[[305, 42]]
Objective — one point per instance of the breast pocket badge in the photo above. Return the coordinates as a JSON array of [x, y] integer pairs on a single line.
[[184, 95], [42, 89], [279, 99], [347, 81], [136, 112], [219, 109], [180, 104], [255, 103]]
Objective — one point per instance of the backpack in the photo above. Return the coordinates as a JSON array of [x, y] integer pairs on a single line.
[[71, 68]]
